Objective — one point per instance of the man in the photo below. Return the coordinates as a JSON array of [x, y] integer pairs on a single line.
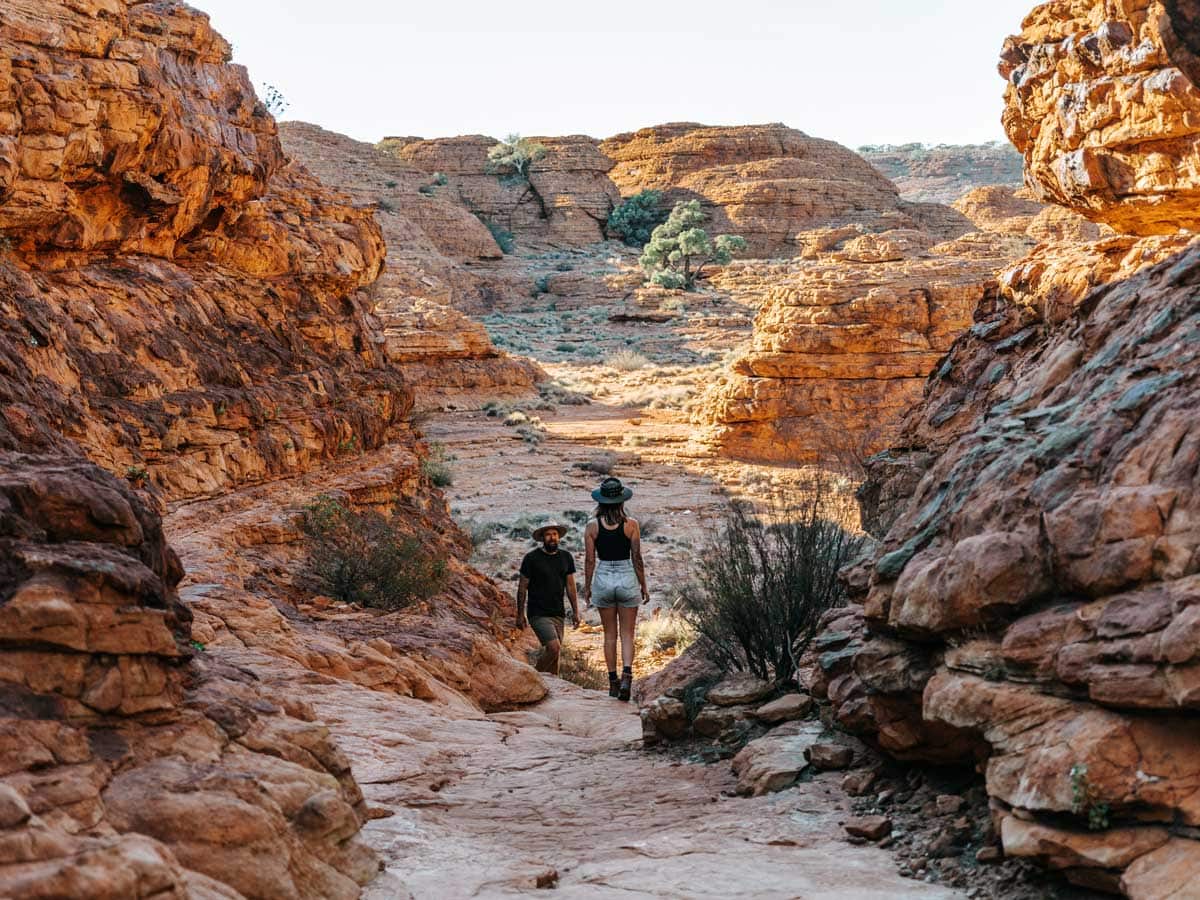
[[546, 574]]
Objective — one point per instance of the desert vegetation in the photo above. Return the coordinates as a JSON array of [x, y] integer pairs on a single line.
[[362, 557], [763, 580], [513, 156], [635, 219], [679, 248]]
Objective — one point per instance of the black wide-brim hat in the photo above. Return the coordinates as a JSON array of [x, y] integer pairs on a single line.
[[611, 491]]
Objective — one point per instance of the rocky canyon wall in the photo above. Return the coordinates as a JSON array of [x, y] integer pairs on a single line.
[[192, 322], [1032, 602]]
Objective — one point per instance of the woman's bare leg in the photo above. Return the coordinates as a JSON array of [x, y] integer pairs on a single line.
[[608, 617], [628, 617]]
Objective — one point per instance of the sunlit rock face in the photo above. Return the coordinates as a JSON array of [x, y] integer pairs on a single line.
[[768, 183], [1102, 101], [1037, 584]]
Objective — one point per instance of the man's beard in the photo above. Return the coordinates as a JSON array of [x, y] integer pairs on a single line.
[[549, 547]]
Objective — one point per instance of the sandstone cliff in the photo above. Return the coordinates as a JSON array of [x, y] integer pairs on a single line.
[[446, 357], [767, 182], [943, 174], [1032, 600], [192, 322], [843, 341], [564, 201]]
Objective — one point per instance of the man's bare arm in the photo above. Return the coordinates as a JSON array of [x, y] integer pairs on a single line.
[[635, 553], [522, 589]]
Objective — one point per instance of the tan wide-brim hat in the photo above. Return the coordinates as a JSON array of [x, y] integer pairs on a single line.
[[557, 526]]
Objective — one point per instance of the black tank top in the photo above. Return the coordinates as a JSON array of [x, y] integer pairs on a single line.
[[612, 543]]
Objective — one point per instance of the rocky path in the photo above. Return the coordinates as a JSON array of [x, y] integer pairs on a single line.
[[561, 795]]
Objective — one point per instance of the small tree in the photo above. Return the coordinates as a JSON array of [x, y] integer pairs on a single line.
[[679, 249], [513, 156], [762, 586], [274, 101], [637, 217]]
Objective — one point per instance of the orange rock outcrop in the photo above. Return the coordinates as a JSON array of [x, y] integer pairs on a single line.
[[192, 321], [445, 356], [1100, 102], [843, 341], [564, 201], [767, 183], [1032, 601]]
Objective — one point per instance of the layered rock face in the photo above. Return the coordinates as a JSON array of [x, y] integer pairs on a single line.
[[1101, 104], [1033, 599], [943, 174], [564, 201], [444, 355], [185, 307], [133, 766], [177, 299], [767, 182], [843, 342]]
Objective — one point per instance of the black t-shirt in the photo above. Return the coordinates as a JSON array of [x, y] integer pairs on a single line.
[[547, 574]]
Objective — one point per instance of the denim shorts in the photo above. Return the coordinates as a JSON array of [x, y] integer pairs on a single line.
[[615, 583]]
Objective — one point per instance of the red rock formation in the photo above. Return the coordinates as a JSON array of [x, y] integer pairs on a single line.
[[132, 765], [945, 173], [767, 182], [1036, 581], [843, 341], [1107, 121], [445, 356], [187, 308], [564, 202]]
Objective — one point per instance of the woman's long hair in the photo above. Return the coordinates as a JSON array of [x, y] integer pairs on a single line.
[[612, 514]]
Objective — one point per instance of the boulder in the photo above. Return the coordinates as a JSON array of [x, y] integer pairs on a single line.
[[825, 757], [872, 828], [784, 709], [715, 721], [664, 718], [774, 761], [738, 688]]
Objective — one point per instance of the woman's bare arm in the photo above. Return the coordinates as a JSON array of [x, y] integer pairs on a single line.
[[589, 560], [634, 532]]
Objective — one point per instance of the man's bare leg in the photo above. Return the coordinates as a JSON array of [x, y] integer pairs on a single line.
[[548, 661]]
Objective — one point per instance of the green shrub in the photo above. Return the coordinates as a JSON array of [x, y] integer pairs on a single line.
[[440, 179], [436, 466], [362, 557], [760, 588], [637, 217], [579, 667], [679, 249], [502, 236], [542, 284], [1085, 799], [136, 474], [513, 156], [385, 205]]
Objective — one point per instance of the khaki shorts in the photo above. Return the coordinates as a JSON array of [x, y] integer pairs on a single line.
[[547, 628], [615, 583]]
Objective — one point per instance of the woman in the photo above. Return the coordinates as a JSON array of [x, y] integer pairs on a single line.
[[611, 584]]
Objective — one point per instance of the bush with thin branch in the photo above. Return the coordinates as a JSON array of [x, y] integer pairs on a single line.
[[627, 360], [513, 156], [361, 557], [763, 583]]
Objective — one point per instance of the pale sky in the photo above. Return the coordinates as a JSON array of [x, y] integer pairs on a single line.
[[854, 71]]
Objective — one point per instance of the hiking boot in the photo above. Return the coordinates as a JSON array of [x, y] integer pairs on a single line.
[[614, 687], [626, 685]]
